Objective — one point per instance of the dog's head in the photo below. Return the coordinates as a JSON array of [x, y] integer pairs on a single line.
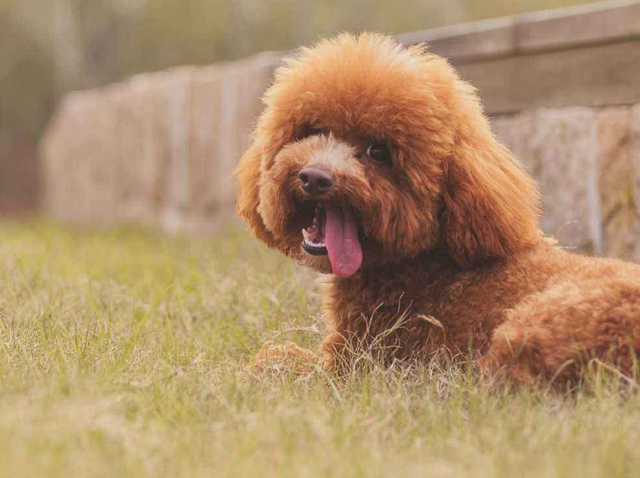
[[368, 152]]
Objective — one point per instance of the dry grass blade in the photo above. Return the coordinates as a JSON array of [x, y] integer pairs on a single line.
[[433, 321]]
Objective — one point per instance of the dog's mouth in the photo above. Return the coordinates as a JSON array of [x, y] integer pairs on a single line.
[[313, 236], [333, 231]]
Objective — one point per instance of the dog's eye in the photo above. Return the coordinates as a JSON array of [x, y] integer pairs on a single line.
[[379, 152]]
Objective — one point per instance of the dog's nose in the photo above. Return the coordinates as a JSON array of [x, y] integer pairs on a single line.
[[315, 181]]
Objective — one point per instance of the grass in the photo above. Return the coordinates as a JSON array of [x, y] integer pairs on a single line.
[[124, 353]]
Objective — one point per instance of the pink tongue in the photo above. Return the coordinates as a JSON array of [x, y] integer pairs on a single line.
[[341, 240]]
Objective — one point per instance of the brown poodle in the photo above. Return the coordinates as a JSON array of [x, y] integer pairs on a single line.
[[376, 164]]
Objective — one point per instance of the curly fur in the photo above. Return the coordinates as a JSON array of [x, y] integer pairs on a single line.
[[449, 229]]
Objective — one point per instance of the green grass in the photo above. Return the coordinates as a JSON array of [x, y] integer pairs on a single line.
[[126, 353]]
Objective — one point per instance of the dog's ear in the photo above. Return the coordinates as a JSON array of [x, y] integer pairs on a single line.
[[249, 173], [490, 203]]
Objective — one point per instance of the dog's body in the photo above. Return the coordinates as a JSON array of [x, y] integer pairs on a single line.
[[376, 163], [542, 313]]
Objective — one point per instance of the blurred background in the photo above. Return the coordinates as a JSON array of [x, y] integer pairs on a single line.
[[50, 47]]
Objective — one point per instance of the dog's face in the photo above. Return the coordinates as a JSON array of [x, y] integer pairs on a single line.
[[368, 153]]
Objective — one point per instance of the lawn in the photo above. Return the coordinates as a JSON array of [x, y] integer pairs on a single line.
[[126, 353]]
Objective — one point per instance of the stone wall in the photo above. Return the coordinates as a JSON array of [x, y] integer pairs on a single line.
[[563, 90], [158, 149], [587, 163]]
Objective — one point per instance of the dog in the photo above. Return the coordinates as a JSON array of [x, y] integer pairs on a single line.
[[375, 164]]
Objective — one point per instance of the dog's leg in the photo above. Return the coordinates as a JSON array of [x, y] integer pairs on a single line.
[[554, 335], [332, 355], [288, 357]]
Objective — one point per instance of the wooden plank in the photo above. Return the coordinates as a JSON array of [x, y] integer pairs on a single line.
[[592, 76], [596, 23], [582, 25], [468, 41]]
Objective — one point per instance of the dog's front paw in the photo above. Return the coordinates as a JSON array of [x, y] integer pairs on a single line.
[[285, 358]]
